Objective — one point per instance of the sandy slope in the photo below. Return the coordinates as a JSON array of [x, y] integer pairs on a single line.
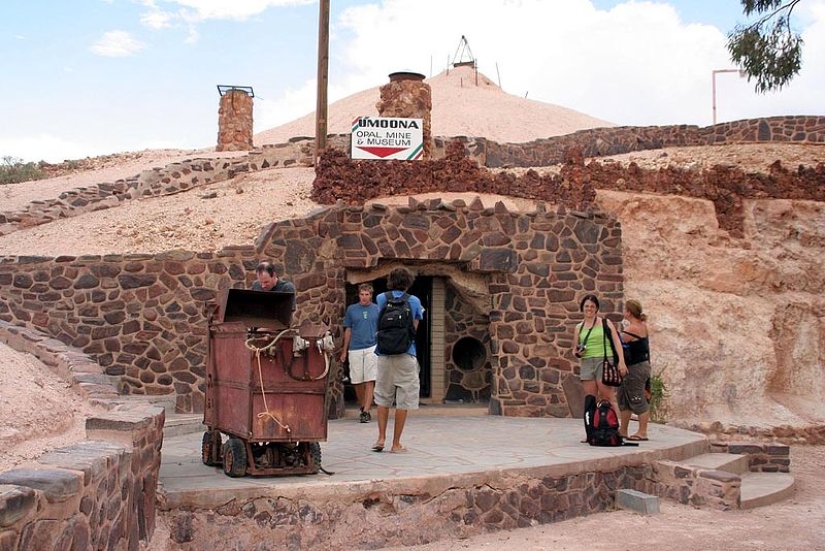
[[465, 103]]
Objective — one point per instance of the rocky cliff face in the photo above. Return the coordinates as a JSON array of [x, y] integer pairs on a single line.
[[737, 323]]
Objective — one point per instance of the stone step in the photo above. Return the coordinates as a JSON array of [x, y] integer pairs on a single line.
[[728, 462], [760, 489]]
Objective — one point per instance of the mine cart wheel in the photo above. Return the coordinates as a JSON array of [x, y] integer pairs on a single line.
[[234, 458], [211, 448], [315, 451]]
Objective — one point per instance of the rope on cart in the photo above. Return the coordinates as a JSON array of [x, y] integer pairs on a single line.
[[258, 351]]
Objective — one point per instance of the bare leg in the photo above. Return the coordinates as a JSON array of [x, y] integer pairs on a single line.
[[644, 418], [383, 417], [369, 387], [359, 394], [398, 428], [625, 422]]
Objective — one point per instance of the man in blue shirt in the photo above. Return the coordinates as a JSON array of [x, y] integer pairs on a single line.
[[397, 379], [360, 326]]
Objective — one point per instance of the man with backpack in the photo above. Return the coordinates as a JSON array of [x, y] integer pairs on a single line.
[[397, 377]]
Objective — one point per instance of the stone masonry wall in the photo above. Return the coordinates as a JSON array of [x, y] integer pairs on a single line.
[[468, 380], [143, 317], [97, 494], [601, 142], [453, 507]]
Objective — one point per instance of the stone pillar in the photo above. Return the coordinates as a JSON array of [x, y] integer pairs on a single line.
[[408, 96], [235, 121]]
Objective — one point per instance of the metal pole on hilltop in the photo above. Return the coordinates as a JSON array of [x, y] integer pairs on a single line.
[[323, 81]]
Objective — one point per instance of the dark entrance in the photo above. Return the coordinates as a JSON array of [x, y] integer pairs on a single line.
[[423, 289]]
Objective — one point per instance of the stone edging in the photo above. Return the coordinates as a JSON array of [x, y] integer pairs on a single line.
[[79, 369], [736, 434], [100, 493]]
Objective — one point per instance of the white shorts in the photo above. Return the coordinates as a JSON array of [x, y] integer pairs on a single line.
[[363, 365]]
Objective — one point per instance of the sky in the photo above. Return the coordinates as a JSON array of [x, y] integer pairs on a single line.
[[82, 78]]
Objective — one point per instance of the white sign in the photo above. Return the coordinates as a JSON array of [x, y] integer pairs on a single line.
[[385, 138]]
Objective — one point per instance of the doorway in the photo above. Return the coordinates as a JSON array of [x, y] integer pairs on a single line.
[[422, 288]]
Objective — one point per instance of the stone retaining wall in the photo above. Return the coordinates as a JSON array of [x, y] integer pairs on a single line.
[[371, 516], [97, 494]]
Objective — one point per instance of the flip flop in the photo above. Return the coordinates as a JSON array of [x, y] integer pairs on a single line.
[[402, 449], [378, 448], [637, 438]]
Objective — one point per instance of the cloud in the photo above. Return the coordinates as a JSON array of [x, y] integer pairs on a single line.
[[157, 19], [116, 44], [236, 9], [635, 64]]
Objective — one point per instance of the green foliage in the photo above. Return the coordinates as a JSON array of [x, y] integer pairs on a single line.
[[13, 171], [767, 50], [658, 397]]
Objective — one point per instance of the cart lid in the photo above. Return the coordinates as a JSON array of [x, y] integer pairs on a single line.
[[270, 309]]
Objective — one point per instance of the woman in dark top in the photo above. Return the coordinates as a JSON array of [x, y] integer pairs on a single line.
[[632, 397]]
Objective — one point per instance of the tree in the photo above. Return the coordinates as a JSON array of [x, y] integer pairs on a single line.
[[768, 49]]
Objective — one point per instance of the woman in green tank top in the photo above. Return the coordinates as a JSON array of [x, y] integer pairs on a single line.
[[592, 346]]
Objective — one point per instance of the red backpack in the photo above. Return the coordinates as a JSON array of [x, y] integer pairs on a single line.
[[603, 425]]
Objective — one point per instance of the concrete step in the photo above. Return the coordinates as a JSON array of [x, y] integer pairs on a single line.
[[178, 424], [728, 462], [760, 489]]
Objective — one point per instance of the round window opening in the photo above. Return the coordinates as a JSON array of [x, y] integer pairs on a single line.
[[469, 353]]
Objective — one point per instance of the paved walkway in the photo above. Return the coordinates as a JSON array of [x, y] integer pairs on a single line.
[[438, 446]]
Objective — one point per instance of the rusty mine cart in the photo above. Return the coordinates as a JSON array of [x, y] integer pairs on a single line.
[[266, 387]]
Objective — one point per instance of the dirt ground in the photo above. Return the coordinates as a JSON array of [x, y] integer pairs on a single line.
[[795, 524]]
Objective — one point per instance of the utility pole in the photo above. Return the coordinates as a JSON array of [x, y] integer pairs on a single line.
[[323, 81]]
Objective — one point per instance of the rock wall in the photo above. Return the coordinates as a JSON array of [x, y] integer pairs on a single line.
[[97, 494], [737, 322]]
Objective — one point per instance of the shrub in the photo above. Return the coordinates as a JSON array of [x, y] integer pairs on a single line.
[[13, 171], [658, 397]]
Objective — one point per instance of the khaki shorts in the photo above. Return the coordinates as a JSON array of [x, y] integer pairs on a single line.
[[591, 369], [631, 394], [363, 365], [397, 381]]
